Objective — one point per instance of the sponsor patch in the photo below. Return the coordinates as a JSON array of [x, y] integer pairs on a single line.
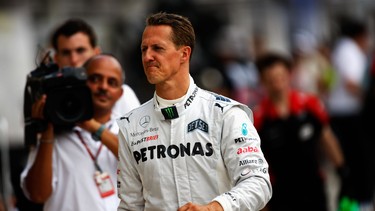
[[191, 98], [173, 151], [169, 112], [144, 121], [244, 129], [198, 124], [247, 149], [141, 133], [145, 139], [221, 98]]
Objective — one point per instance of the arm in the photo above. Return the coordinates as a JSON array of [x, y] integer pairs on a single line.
[[331, 147], [38, 181], [245, 163], [354, 88], [109, 139]]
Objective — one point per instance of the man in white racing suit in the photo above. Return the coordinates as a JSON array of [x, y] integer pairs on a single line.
[[187, 148]]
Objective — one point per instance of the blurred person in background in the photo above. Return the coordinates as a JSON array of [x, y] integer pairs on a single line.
[[187, 149], [76, 169], [235, 60], [345, 101], [74, 43], [294, 127], [312, 69]]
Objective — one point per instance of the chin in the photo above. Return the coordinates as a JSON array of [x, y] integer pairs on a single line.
[[101, 105], [152, 80]]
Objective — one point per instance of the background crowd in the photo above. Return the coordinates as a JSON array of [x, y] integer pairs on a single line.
[[231, 36]]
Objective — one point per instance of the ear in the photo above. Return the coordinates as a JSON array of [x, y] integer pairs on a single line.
[[56, 58], [185, 54]]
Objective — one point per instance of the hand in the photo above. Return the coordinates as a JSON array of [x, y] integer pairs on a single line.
[[89, 125], [213, 206], [37, 113], [37, 109]]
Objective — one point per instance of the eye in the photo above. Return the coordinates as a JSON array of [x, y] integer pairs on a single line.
[[113, 83], [157, 48], [93, 78], [65, 52], [81, 50]]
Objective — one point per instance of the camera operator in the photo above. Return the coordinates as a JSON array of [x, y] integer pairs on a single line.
[[75, 170], [74, 43]]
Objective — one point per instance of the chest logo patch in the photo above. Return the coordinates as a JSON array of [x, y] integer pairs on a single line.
[[244, 129], [144, 121], [198, 124]]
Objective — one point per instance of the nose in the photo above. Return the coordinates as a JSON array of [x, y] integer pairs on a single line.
[[103, 84], [147, 55], [74, 60]]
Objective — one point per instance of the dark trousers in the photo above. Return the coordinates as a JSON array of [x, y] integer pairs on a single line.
[[358, 184]]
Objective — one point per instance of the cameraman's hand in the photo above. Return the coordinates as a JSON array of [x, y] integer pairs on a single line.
[[38, 107], [37, 112]]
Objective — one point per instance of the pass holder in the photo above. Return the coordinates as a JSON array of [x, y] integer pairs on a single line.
[[102, 179], [104, 183]]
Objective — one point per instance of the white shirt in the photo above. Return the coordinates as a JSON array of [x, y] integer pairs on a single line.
[[73, 184], [126, 103], [350, 65]]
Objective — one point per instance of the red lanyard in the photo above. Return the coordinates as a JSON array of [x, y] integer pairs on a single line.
[[94, 158]]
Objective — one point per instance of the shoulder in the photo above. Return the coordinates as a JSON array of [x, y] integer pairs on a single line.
[[224, 105], [310, 103], [135, 113], [305, 99]]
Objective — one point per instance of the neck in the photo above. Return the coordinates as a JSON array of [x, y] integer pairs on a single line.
[[173, 89], [279, 97], [281, 102]]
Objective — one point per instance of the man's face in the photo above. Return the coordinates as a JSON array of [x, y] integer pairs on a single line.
[[75, 50], [160, 57], [104, 80], [276, 79]]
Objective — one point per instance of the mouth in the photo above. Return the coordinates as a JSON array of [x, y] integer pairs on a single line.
[[102, 97], [152, 65]]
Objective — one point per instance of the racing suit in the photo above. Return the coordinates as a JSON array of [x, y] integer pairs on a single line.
[[200, 150]]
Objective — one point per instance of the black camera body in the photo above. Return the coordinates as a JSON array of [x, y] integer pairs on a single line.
[[68, 98]]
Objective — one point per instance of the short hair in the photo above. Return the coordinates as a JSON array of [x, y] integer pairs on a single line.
[[352, 27], [71, 27], [182, 30], [89, 61], [268, 60]]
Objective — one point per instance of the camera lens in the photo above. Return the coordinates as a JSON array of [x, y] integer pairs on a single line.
[[70, 109], [69, 105]]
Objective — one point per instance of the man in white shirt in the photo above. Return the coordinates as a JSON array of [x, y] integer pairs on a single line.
[[76, 169], [345, 103]]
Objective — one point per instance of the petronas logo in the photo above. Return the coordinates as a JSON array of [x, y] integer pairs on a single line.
[[170, 112]]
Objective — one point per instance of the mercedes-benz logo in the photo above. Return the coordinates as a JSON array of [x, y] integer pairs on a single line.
[[144, 121]]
